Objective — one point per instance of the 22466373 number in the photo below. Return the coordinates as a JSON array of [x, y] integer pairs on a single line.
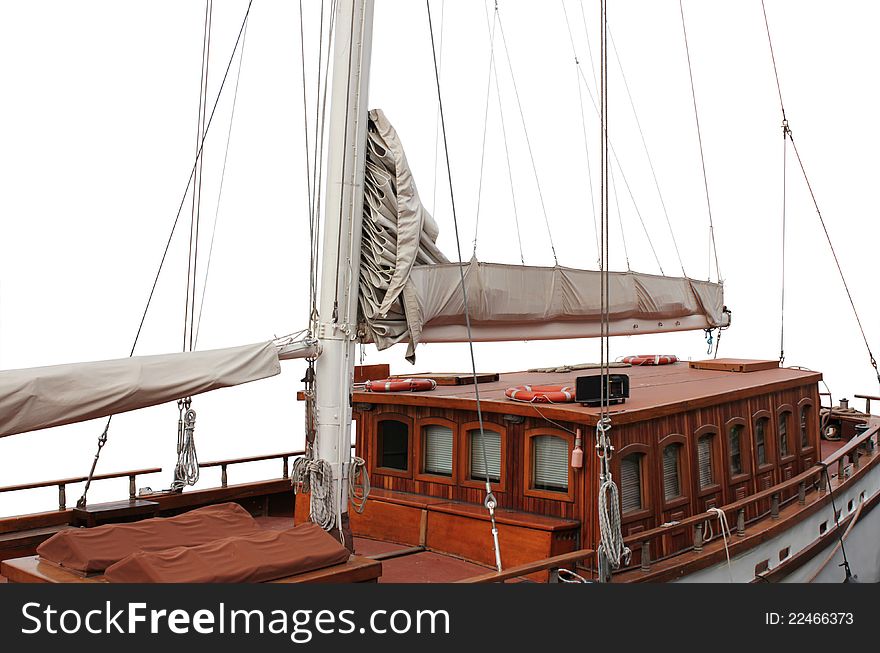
[[808, 618]]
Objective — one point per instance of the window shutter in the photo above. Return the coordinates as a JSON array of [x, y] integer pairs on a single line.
[[630, 483], [550, 462], [671, 485], [735, 458], [760, 429], [704, 461], [438, 449], [783, 433], [493, 455]]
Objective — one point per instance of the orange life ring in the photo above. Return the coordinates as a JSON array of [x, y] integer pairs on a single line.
[[650, 359], [541, 394], [400, 385]]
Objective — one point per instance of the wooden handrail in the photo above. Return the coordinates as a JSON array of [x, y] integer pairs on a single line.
[[868, 399], [251, 459], [530, 568], [79, 479], [769, 493]]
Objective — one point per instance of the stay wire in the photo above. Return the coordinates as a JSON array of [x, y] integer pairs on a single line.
[[485, 128], [787, 132], [526, 133], [102, 439], [713, 247], [578, 74], [632, 105], [522, 258], [490, 498], [220, 189]]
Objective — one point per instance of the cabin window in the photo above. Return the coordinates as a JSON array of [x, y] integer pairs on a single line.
[[735, 452], [704, 461], [437, 442], [784, 419], [491, 465], [549, 463], [761, 439], [805, 426], [394, 444], [631, 482], [671, 478]]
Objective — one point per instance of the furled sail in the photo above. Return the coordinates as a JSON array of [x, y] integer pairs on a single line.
[[42, 397], [410, 293]]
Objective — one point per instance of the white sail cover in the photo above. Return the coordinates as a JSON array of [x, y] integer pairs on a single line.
[[41, 397], [409, 292]]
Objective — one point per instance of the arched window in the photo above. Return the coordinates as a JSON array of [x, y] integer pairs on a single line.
[[762, 430], [734, 439], [549, 463], [705, 472], [437, 443], [481, 465], [631, 483], [393, 444], [805, 425], [784, 427], [671, 471]]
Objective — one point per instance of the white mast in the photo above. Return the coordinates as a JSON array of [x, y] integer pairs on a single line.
[[337, 328]]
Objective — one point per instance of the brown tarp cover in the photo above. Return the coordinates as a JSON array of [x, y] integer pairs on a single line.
[[254, 558], [95, 549]]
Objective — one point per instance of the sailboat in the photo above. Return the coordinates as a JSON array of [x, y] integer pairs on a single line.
[[644, 469]]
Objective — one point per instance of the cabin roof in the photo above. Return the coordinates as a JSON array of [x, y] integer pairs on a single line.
[[655, 391]]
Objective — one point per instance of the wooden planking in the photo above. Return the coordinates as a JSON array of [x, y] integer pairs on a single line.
[[735, 365], [452, 379], [645, 435]]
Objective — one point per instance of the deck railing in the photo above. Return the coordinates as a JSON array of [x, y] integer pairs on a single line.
[[64, 482], [224, 464], [654, 545], [554, 564]]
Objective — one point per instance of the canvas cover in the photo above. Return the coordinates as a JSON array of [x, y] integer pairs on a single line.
[[92, 550], [42, 397], [253, 558], [409, 292]]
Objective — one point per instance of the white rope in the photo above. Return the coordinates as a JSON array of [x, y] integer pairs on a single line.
[[725, 533], [315, 477], [358, 484], [186, 471]]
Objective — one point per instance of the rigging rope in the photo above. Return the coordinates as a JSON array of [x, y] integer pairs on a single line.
[[632, 104], [490, 501], [787, 132], [725, 534], [522, 258], [102, 439], [611, 549], [437, 113], [485, 126], [578, 74], [712, 248], [526, 133], [220, 189]]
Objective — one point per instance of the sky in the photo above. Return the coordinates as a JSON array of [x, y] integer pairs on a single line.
[[97, 136]]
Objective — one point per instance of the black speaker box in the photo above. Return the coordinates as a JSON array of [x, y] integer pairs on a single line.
[[588, 389]]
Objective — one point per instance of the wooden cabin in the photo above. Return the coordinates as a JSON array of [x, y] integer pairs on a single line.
[[691, 436]]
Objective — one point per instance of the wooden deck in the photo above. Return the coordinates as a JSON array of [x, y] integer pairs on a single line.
[[655, 391]]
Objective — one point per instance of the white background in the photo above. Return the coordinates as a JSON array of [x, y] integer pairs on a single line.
[[97, 127]]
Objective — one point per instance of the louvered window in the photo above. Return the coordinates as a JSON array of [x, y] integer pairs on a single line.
[[805, 427], [492, 440], [704, 461], [671, 480], [393, 445], [549, 463], [760, 439], [631, 483], [735, 444], [783, 433], [438, 449]]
